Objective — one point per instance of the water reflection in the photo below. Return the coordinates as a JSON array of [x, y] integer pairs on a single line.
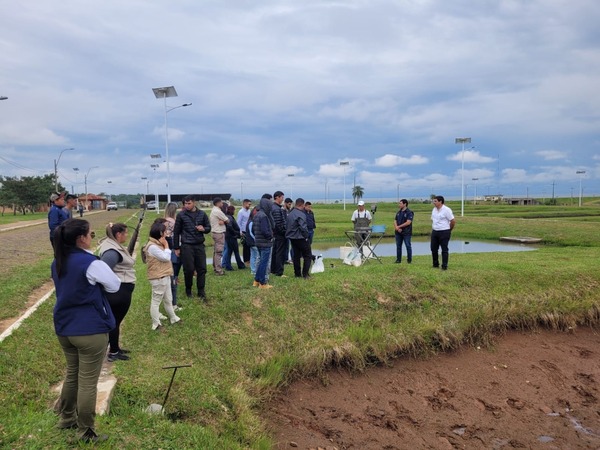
[[420, 246]]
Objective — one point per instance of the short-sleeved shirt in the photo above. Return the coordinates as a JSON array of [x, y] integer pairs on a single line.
[[403, 217], [441, 218]]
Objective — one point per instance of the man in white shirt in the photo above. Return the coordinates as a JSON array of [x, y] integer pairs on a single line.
[[242, 220], [361, 218], [443, 222], [218, 219]]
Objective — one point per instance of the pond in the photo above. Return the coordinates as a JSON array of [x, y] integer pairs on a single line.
[[420, 246]]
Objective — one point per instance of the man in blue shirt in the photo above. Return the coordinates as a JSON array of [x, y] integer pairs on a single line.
[[403, 228], [57, 213]]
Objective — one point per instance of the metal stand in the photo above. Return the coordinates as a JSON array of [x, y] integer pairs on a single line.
[[361, 241], [172, 379]]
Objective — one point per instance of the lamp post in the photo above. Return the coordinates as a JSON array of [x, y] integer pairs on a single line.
[[463, 141], [475, 196], [291, 176], [3, 98], [56, 161], [147, 188], [164, 92], [581, 173], [109, 196], [155, 166], [76, 169], [344, 164], [87, 202]]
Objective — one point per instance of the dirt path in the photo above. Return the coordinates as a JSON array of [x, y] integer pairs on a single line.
[[533, 390]]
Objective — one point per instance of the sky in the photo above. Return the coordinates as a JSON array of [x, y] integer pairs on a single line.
[[283, 91]]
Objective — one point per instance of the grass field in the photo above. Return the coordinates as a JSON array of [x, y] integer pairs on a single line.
[[246, 344]]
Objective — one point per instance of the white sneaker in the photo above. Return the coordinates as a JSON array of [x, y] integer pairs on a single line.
[[177, 308], [156, 327], [162, 317], [177, 320]]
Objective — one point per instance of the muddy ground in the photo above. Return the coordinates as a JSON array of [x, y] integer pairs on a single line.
[[531, 390]]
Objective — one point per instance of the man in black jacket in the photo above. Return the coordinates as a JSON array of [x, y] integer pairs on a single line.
[[297, 233], [278, 256], [191, 225]]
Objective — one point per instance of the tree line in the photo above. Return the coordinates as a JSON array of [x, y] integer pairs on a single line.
[[26, 194]]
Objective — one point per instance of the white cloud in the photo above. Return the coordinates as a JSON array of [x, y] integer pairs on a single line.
[[551, 154], [470, 156], [395, 160]]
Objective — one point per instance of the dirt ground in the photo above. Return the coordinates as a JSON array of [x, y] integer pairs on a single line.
[[535, 390]]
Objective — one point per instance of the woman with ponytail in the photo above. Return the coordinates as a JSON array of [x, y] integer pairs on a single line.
[[82, 321], [115, 255]]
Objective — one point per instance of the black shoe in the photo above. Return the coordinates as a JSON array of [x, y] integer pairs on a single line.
[[436, 266], [409, 261], [188, 294], [397, 261], [112, 357], [444, 267], [229, 269], [124, 350], [90, 436]]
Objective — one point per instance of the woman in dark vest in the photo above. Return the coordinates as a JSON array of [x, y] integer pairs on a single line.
[[120, 261], [82, 321]]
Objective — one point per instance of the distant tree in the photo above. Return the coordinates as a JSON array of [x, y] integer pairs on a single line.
[[357, 193], [27, 193]]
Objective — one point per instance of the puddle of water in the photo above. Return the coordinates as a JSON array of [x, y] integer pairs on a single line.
[[420, 246]]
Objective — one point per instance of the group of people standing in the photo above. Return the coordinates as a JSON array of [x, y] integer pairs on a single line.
[[442, 219]]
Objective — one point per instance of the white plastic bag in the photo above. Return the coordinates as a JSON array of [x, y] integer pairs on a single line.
[[318, 265], [353, 258]]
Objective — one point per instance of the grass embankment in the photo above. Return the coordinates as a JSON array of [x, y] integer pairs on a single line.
[[247, 343]]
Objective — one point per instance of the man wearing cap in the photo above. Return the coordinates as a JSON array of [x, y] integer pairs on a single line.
[[361, 218], [218, 219], [71, 200], [56, 213]]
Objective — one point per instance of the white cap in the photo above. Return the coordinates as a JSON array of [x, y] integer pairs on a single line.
[[361, 203]]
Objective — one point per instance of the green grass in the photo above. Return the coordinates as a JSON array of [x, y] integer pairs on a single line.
[[247, 344]]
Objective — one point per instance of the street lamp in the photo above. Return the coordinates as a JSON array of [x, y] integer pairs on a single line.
[[164, 92], [147, 188], [463, 141], [291, 175], [56, 161], [344, 164], [155, 166], [76, 169], [581, 173], [475, 196], [3, 98], [109, 196], [87, 202]]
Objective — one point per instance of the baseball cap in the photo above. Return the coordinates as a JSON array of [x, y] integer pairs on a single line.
[[55, 196], [361, 203]]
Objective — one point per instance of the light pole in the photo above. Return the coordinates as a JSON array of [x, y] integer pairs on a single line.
[[463, 141], [147, 188], [581, 173], [109, 196], [155, 166], [76, 169], [56, 161], [87, 202], [3, 98], [291, 176], [344, 164], [164, 92], [475, 196]]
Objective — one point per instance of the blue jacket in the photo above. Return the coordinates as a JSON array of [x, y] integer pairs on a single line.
[[56, 216], [81, 308]]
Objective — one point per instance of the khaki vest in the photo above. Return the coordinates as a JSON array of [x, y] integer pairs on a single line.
[[157, 269], [124, 270]]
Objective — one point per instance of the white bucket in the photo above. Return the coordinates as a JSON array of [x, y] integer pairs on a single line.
[[345, 251]]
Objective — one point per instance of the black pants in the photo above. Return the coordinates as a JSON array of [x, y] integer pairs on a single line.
[[301, 249], [278, 257], [119, 302], [246, 252], [440, 239], [193, 258]]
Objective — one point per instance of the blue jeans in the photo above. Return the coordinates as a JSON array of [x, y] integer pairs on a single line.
[[403, 238], [261, 270], [253, 258]]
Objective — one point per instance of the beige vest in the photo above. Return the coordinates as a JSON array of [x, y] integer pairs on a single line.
[[124, 270], [157, 269]]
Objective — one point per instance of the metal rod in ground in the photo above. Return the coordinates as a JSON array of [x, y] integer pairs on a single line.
[[172, 379]]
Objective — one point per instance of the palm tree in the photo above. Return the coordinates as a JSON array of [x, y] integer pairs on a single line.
[[357, 193]]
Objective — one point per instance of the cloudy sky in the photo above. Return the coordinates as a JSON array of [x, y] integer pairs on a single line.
[[283, 91]]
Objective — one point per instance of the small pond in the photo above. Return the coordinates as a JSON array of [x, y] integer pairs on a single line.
[[420, 246]]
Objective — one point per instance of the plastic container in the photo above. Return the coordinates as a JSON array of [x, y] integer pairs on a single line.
[[345, 251], [378, 229]]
